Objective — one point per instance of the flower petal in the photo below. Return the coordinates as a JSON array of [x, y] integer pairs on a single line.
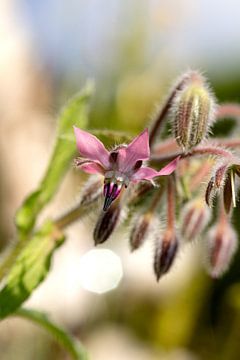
[[144, 173], [147, 173], [138, 149], [169, 168], [91, 148], [92, 168]]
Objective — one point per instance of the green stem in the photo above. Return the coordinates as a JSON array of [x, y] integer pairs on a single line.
[[71, 216], [72, 345], [10, 258]]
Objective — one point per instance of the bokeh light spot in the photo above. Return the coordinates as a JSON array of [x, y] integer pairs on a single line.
[[100, 270]]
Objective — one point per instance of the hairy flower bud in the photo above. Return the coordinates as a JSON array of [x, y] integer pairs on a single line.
[[216, 182], [194, 219], [106, 223], [221, 241], [223, 178], [140, 231], [193, 112], [165, 252]]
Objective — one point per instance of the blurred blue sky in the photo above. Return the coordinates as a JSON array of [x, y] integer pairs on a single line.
[[85, 34]]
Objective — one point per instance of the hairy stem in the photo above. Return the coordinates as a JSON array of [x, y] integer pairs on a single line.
[[228, 110], [170, 145], [200, 150], [170, 203], [71, 216]]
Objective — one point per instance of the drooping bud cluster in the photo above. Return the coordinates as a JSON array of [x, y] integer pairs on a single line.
[[132, 185], [192, 112]]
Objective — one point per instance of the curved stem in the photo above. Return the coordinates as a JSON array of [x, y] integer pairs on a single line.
[[170, 203], [170, 145], [203, 150], [72, 345], [228, 110], [70, 216]]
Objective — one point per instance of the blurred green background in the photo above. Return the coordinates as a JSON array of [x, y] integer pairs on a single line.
[[134, 51]]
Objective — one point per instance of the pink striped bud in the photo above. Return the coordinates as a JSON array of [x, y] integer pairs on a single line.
[[221, 241], [193, 112], [223, 179], [195, 217], [216, 182], [165, 253], [140, 231]]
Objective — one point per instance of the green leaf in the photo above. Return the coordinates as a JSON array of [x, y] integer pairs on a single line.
[[71, 344], [74, 113], [30, 268]]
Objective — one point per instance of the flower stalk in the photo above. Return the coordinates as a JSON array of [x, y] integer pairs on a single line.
[[166, 244]]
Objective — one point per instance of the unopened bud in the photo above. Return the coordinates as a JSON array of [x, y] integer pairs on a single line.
[[165, 252], [220, 175], [210, 191], [140, 231], [221, 241], [195, 217], [193, 112], [220, 180], [106, 223]]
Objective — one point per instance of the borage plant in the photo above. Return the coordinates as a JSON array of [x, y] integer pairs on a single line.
[[187, 173]]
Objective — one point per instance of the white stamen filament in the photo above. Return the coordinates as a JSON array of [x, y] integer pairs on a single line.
[[233, 188]]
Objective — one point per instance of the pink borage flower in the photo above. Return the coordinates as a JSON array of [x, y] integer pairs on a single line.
[[120, 166]]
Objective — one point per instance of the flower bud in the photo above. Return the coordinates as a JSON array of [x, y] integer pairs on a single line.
[[221, 241], [193, 112], [210, 191], [223, 178], [106, 223], [165, 252], [140, 231], [194, 219]]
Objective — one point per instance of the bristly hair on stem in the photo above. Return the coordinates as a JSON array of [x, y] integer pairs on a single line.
[[167, 243]]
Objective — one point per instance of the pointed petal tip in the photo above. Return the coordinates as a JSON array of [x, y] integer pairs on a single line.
[[90, 147], [169, 168]]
